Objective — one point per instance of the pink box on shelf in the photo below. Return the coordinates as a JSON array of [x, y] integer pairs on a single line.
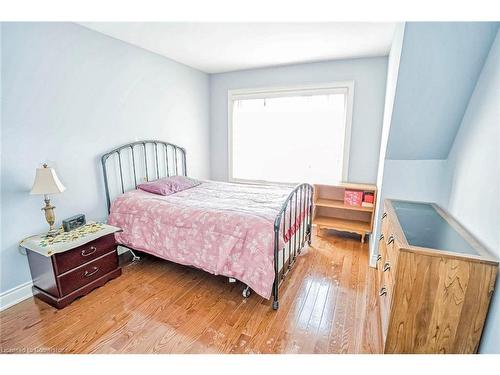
[[353, 197]]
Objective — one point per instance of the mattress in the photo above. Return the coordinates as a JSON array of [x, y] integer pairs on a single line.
[[223, 228]]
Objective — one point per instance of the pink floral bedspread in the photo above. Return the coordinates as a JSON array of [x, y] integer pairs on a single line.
[[223, 228]]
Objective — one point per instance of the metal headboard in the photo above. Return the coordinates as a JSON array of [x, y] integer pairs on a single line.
[[143, 160]]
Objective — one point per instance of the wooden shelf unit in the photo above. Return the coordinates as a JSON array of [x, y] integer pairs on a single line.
[[330, 212], [334, 203]]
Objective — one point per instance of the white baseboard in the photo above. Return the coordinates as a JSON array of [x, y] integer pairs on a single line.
[[15, 295], [372, 258]]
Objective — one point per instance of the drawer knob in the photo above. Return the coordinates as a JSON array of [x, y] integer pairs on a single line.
[[381, 237], [383, 291], [87, 252], [391, 239], [384, 215], [379, 257], [90, 273], [387, 267]]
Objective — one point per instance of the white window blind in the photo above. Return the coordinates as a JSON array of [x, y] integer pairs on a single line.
[[289, 137]]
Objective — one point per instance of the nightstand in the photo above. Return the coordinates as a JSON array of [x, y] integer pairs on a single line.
[[72, 264]]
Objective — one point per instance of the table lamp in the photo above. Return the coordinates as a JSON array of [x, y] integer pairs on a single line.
[[47, 182]]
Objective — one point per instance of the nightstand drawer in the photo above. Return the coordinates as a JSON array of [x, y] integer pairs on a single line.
[[83, 254], [88, 272]]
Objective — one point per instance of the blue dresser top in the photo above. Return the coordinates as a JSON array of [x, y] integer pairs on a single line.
[[423, 226]]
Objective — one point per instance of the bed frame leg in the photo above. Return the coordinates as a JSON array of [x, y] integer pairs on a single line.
[[134, 257], [276, 262], [246, 292], [275, 294]]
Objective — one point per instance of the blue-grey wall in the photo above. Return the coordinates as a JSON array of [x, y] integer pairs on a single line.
[[70, 94], [473, 174], [369, 75], [440, 64]]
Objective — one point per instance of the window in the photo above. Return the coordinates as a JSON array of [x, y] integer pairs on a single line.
[[290, 135]]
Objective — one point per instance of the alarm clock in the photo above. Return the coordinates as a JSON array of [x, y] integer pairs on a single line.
[[73, 222]]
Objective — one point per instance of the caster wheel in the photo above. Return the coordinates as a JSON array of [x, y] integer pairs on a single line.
[[275, 305], [135, 258], [246, 292]]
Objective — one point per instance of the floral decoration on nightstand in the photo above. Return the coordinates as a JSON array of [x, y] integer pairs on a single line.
[[47, 245], [72, 235]]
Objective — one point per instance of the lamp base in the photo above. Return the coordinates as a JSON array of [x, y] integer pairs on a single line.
[[50, 216], [52, 232]]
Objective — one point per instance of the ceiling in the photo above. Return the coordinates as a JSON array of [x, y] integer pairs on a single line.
[[223, 47]]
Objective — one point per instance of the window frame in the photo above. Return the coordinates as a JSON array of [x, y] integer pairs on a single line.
[[281, 91]]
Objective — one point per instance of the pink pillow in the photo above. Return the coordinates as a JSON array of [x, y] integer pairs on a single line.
[[169, 185]]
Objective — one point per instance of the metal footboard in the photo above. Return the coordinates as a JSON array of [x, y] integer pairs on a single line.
[[293, 223]]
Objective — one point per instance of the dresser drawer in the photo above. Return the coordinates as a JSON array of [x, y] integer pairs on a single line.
[[387, 271], [83, 254], [389, 261], [388, 283], [88, 272], [385, 283], [392, 245], [385, 223], [382, 249], [384, 304]]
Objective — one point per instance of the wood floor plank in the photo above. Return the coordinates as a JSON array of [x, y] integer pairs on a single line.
[[341, 305], [335, 263], [370, 341], [328, 304], [361, 289], [92, 326], [142, 318], [291, 293], [291, 336], [348, 332], [55, 321]]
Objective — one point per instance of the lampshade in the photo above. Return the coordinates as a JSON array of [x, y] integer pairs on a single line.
[[47, 182]]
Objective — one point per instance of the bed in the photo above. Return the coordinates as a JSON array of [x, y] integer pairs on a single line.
[[248, 232]]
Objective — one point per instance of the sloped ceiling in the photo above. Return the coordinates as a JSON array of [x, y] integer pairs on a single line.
[[439, 67]]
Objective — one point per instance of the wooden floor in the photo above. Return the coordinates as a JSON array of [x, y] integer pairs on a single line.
[[327, 305]]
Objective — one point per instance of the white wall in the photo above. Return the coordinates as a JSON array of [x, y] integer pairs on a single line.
[[474, 176], [1, 117], [390, 94], [369, 75], [69, 95]]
